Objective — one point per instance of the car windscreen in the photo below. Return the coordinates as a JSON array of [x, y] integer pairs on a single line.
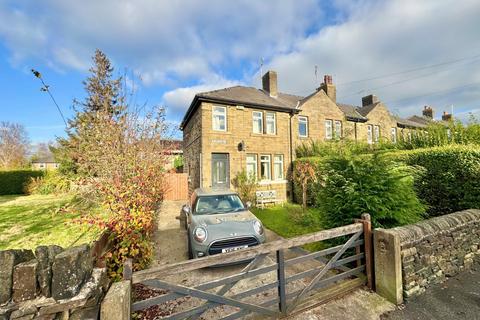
[[218, 204]]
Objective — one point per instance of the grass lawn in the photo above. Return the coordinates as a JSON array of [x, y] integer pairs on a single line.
[[29, 221], [290, 221]]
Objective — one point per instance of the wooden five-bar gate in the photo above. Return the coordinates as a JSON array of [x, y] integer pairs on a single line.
[[297, 283]]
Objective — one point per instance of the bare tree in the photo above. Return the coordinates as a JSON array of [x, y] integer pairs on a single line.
[[13, 145]]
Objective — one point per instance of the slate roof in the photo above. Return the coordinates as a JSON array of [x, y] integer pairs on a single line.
[[248, 96], [421, 120], [45, 159], [366, 109], [351, 112], [408, 123], [251, 95]]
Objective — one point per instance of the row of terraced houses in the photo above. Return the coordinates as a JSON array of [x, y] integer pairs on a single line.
[[245, 128]]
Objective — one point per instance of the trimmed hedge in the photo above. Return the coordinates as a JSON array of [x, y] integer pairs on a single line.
[[15, 181], [448, 179], [451, 181]]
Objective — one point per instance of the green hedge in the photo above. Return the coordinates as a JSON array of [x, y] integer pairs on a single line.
[[14, 182], [451, 178]]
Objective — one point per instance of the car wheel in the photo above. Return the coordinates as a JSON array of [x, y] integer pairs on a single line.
[[189, 245]]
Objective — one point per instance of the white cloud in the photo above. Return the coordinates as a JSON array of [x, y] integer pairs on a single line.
[[189, 46], [164, 41], [385, 37], [178, 100]]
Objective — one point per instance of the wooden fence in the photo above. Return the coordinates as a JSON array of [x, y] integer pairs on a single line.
[[336, 270], [177, 186]]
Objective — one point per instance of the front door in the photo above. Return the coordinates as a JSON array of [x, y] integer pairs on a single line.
[[220, 170]]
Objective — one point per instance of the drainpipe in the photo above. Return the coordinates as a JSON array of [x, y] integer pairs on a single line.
[[291, 156], [355, 124]]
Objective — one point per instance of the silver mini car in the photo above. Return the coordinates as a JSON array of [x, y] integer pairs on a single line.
[[217, 222]]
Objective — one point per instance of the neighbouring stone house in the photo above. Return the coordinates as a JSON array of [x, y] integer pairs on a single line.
[[45, 163], [236, 128]]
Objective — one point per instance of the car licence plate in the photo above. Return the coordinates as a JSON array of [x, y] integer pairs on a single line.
[[233, 249]]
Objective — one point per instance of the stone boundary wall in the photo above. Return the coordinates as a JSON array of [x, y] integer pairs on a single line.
[[53, 283], [410, 258]]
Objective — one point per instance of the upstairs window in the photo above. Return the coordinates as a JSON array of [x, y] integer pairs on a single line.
[[219, 118], [270, 123], [328, 129], [377, 133], [370, 134], [252, 165], [278, 166], [394, 135], [338, 129], [265, 167], [302, 127], [257, 117]]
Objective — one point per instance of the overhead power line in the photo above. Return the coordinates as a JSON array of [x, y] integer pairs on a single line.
[[412, 70], [436, 92], [46, 89], [403, 80]]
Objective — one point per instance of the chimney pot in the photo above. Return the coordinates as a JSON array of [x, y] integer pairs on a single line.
[[427, 112], [446, 116], [329, 87], [269, 83]]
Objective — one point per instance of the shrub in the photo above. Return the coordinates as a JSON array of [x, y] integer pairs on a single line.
[[51, 182], [246, 186], [451, 180], [304, 174], [316, 163], [15, 181], [381, 187]]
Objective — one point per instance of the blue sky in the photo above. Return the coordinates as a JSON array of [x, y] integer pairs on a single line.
[[171, 50]]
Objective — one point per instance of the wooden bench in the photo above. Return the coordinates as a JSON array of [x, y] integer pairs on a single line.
[[267, 196]]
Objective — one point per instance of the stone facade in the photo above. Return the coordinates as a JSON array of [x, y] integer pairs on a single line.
[[238, 140], [240, 129], [318, 108], [381, 117], [427, 252]]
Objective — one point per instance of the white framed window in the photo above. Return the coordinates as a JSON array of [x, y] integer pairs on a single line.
[[252, 165], [377, 133], [265, 167], [393, 133], [328, 129], [257, 117], [370, 133], [270, 123], [278, 166], [302, 126], [219, 118], [338, 129]]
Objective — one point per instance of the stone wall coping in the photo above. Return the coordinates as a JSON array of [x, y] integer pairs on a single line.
[[417, 232]]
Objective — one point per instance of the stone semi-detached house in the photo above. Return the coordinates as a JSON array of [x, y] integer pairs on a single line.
[[244, 128]]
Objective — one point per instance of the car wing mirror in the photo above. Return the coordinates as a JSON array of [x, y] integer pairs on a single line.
[[186, 209], [248, 204]]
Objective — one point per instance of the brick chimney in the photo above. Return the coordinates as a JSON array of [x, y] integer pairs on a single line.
[[447, 116], [329, 87], [269, 83], [370, 99], [427, 112]]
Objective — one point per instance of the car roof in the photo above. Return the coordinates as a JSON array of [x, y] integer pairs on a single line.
[[213, 192]]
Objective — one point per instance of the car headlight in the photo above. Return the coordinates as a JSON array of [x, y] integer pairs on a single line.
[[200, 234], [257, 226]]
